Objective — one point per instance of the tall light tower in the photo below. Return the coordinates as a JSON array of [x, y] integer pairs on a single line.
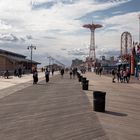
[[92, 54]]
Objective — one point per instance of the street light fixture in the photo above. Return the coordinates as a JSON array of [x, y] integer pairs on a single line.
[[31, 47]]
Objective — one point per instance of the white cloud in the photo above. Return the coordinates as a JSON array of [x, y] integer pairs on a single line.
[[10, 37], [17, 17], [126, 22], [110, 36], [4, 25]]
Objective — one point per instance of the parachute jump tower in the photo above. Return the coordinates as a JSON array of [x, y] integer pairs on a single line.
[[92, 55]]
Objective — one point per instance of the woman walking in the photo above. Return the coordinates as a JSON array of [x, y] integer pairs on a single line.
[[47, 75], [35, 76], [118, 76], [62, 72], [113, 75], [70, 73]]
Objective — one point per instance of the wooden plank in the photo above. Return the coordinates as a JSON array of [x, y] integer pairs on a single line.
[[121, 119], [58, 110]]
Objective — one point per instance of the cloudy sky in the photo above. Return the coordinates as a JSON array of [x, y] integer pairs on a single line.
[[55, 27]]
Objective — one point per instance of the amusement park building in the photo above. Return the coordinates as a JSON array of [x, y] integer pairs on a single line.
[[76, 63]]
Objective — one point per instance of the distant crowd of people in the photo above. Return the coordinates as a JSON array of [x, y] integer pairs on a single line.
[[17, 72], [47, 71], [73, 72], [98, 70], [122, 75]]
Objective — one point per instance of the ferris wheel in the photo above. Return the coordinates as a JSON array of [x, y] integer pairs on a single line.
[[126, 43]]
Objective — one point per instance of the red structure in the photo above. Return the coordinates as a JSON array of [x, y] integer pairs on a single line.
[[126, 54], [92, 55]]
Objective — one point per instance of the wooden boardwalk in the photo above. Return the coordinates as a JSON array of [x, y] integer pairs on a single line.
[[58, 110], [121, 121]]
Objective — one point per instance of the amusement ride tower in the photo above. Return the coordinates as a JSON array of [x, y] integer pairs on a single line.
[[92, 56]]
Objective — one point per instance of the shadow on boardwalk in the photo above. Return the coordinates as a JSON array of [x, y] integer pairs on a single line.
[[115, 113], [58, 110], [121, 119]]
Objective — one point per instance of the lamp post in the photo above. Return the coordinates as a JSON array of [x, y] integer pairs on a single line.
[[31, 47], [49, 57], [139, 28]]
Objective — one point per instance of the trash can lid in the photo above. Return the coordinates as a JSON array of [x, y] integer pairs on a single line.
[[99, 93]]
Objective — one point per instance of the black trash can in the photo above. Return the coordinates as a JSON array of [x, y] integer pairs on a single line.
[[85, 84], [78, 74], [99, 101], [83, 79], [80, 78]]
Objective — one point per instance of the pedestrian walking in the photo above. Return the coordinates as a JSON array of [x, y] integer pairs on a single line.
[[52, 71], [15, 72], [121, 75], [35, 76], [62, 72], [47, 73], [74, 71], [19, 72], [113, 75], [6, 74], [70, 73], [100, 71], [128, 75], [124, 76], [118, 76]]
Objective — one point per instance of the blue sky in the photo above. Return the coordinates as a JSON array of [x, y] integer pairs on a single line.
[[55, 27]]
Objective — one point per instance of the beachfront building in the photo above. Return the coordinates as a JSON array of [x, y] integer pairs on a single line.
[[11, 61]]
